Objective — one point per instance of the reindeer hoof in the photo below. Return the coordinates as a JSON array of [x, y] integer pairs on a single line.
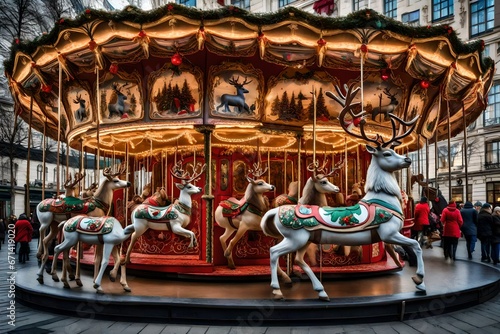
[[418, 279], [112, 277], [127, 288], [277, 295], [71, 277], [40, 279], [323, 296], [55, 278], [79, 282]]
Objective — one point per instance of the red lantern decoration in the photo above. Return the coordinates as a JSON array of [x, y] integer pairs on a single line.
[[424, 84], [142, 33], [321, 42], [170, 8], [454, 65], [364, 48], [384, 74], [87, 11], [17, 41], [46, 88], [176, 59], [113, 68]]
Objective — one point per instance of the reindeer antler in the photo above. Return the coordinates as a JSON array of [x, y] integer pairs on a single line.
[[257, 169], [234, 82], [107, 172], [346, 102], [71, 184], [186, 176], [315, 168]]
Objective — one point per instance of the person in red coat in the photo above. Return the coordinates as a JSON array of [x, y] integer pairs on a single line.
[[452, 222], [421, 220], [24, 231]]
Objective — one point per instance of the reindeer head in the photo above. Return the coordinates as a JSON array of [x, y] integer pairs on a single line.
[[394, 101], [259, 186], [387, 159], [321, 174], [70, 185], [118, 90], [112, 178], [188, 176], [239, 86], [79, 100]]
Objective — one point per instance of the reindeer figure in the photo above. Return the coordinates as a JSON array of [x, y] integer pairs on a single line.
[[387, 109], [174, 217], [81, 112], [86, 194], [242, 215], [72, 187], [119, 107], [377, 217], [51, 212], [237, 100]]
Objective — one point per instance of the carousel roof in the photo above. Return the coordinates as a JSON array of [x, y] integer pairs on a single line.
[[118, 75]]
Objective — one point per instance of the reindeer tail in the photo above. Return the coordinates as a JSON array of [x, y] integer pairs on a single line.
[[268, 225]]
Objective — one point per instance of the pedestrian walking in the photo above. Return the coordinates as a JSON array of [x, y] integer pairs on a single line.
[[484, 232], [452, 222], [469, 228], [3, 231], [421, 220]]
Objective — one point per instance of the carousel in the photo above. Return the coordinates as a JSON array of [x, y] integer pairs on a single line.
[[217, 117]]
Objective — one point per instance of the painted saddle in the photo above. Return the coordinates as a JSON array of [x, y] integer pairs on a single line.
[[90, 225], [67, 205], [232, 207], [285, 200], [361, 216]]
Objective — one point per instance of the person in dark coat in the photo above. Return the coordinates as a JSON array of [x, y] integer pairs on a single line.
[[421, 220], [24, 231], [469, 228], [484, 232], [495, 239]]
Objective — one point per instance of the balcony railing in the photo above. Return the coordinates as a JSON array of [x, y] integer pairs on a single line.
[[492, 165]]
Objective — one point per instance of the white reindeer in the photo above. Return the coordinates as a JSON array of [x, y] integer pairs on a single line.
[[378, 216], [174, 217], [105, 231]]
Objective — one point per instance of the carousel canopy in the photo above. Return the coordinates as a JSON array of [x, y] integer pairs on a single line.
[[146, 81]]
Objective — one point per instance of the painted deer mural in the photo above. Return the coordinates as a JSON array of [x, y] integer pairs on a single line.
[[106, 231], [238, 100], [242, 215], [386, 109], [377, 217], [81, 112], [119, 108], [51, 212], [174, 217]]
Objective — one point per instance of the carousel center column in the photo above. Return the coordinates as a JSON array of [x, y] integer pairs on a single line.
[[207, 196]]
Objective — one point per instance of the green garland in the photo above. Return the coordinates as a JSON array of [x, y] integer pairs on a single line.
[[366, 18]]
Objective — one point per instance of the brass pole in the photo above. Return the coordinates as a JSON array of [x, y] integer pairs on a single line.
[[465, 151]]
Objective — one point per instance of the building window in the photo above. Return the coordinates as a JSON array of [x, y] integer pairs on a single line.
[[391, 8], [455, 155], [492, 151], [493, 193], [189, 3], [412, 18], [457, 194], [244, 4], [39, 174], [283, 3], [492, 112], [482, 16], [358, 4], [441, 9]]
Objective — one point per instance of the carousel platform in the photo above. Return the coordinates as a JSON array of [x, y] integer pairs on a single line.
[[388, 297]]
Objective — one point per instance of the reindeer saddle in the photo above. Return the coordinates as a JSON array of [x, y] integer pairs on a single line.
[[361, 216], [90, 225], [232, 207], [156, 213], [66, 205], [285, 200]]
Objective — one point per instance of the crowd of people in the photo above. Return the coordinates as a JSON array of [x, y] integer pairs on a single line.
[[22, 234], [478, 221]]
